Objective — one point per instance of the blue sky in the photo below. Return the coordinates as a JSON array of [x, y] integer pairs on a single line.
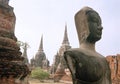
[[48, 17]]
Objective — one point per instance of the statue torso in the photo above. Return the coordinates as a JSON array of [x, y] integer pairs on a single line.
[[89, 68]]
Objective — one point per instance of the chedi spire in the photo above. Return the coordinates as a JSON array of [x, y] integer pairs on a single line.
[[41, 44], [65, 39]]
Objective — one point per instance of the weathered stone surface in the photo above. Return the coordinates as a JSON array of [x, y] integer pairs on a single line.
[[59, 64], [54, 66], [11, 65], [114, 63], [4, 1], [86, 65], [59, 72], [40, 59]]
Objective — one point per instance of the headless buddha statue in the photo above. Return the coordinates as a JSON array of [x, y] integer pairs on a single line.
[[85, 64]]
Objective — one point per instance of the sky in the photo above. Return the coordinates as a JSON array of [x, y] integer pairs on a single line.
[[35, 18]]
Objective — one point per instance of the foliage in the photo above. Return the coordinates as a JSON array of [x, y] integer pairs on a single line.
[[23, 44], [39, 74]]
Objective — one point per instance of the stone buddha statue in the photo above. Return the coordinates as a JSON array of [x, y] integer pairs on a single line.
[[86, 65]]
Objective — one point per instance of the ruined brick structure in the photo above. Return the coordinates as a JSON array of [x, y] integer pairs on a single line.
[[114, 62], [59, 65], [11, 62], [40, 59]]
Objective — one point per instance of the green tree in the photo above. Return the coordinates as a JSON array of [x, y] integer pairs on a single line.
[[23, 44], [39, 74]]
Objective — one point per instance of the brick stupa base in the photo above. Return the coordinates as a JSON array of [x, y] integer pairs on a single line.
[[11, 62]]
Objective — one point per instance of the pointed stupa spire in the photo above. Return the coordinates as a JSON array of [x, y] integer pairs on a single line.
[[65, 39], [41, 44]]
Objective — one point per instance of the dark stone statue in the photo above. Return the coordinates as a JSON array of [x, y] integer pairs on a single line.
[[86, 65]]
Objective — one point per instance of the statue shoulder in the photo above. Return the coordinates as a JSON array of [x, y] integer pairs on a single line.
[[82, 54], [74, 53]]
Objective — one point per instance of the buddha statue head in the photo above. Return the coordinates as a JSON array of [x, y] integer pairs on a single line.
[[88, 25]]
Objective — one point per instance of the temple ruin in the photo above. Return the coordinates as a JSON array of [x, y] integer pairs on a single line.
[[12, 67], [40, 59], [114, 63], [58, 67]]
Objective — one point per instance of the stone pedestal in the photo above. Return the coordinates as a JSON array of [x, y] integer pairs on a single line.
[[11, 65]]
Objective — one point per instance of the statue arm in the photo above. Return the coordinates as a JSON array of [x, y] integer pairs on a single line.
[[70, 62]]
